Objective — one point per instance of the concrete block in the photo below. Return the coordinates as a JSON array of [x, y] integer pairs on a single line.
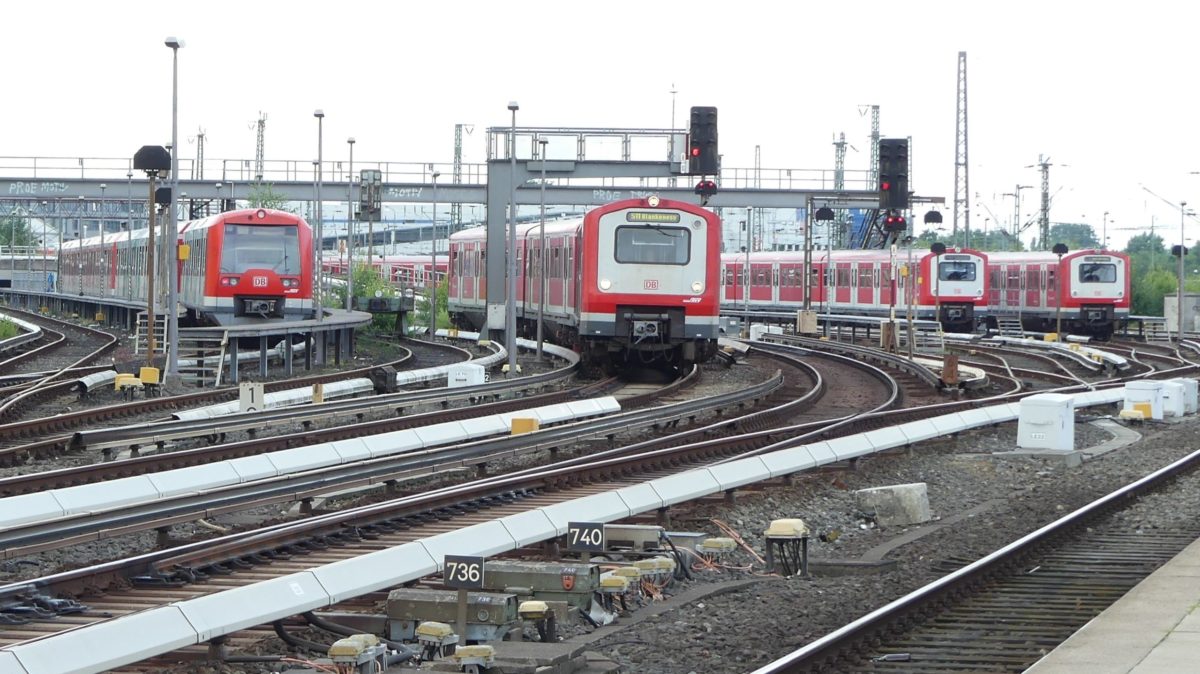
[[1190, 387], [1145, 392], [896, 505], [1173, 399], [1047, 421]]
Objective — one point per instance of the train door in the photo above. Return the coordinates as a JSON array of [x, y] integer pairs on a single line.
[[760, 283], [791, 283], [1034, 287], [885, 284], [575, 286], [1052, 280], [843, 281], [736, 281], [865, 294], [1012, 287], [454, 270]]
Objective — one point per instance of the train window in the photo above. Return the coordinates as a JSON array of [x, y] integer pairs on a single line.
[[653, 245], [275, 248], [1097, 273], [1013, 280], [728, 278], [1050, 276], [956, 271]]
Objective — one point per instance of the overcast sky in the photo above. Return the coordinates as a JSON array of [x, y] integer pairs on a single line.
[[1106, 90]]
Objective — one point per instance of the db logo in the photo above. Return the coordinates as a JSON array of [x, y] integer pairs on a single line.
[[650, 284], [260, 281]]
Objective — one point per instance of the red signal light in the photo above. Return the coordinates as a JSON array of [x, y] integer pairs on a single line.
[[695, 152], [885, 186]]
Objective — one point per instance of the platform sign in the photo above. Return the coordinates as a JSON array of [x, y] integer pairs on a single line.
[[585, 536], [463, 572]]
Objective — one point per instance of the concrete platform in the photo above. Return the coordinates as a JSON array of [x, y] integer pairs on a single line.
[[1154, 629]]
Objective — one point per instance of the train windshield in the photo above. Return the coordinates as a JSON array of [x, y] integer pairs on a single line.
[[1097, 273], [956, 271], [275, 248], [653, 245]]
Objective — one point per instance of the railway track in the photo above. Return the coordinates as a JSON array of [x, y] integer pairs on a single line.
[[54, 435], [204, 567], [1005, 611], [65, 355]]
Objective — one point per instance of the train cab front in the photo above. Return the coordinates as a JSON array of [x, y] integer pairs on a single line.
[[960, 288], [1099, 284], [262, 270]]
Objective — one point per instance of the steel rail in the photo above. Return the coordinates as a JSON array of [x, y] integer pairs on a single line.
[[150, 463], [825, 652], [892, 360]]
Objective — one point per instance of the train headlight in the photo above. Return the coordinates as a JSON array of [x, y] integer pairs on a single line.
[[605, 284], [262, 213], [697, 286], [652, 201]]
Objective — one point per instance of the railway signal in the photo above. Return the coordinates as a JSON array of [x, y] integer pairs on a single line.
[[706, 189], [893, 173], [894, 222], [702, 141]]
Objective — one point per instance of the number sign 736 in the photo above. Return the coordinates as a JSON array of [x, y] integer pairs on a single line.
[[463, 572]]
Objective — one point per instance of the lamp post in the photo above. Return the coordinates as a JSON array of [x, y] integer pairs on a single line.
[[320, 253], [153, 160], [172, 237], [542, 242], [433, 307], [129, 195], [1059, 249], [350, 228], [510, 313], [1104, 233], [1182, 252], [79, 216]]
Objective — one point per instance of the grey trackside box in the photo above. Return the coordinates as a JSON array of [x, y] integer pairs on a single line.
[[489, 614], [573, 583]]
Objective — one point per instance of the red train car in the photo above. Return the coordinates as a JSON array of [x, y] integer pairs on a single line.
[[1088, 289], [242, 266], [401, 270], [635, 280], [951, 287]]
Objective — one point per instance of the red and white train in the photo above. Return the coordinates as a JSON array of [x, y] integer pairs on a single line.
[[1094, 286], [951, 287], [240, 266], [402, 270], [635, 280]]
